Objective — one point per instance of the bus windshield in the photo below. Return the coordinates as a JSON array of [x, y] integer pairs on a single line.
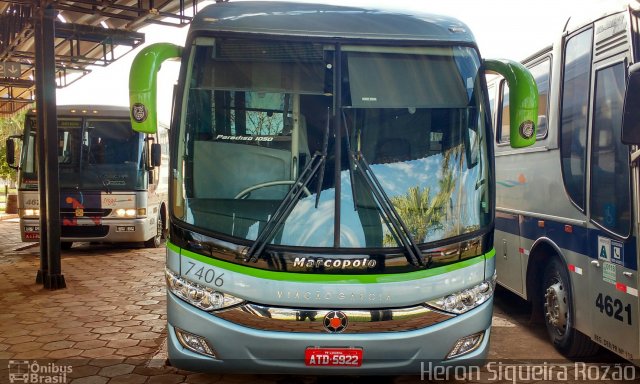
[[263, 117], [102, 154]]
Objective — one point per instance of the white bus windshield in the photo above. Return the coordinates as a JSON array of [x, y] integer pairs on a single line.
[[102, 154], [412, 122]]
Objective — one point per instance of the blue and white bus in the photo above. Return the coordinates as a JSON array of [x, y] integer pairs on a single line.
[[567, 228], [113, 180]]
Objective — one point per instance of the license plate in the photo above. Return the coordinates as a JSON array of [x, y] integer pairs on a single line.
[[333, 357]]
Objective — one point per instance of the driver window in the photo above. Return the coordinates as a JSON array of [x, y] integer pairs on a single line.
[[253, 134]]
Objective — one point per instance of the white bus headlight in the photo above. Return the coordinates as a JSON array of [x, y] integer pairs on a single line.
[[30, 212], [467, 299], [130, 212], [197, 295]]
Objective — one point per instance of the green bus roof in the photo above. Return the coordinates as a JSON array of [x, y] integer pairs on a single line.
[[318, 21]]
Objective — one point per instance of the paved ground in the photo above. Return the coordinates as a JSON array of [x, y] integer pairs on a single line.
[[109, 324]]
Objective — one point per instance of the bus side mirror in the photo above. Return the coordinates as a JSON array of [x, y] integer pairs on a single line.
[[631, 114], [11, 152], [143, 78], [523, 100], [156, 155], [10, 147]]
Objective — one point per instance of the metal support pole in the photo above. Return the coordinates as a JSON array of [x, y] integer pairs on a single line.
[[54, 279], [42, 190]]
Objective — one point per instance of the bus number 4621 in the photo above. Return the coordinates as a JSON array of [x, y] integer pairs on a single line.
[[614, 308]]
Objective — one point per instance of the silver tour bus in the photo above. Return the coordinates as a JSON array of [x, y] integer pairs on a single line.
[[113, 182], [331, 188]]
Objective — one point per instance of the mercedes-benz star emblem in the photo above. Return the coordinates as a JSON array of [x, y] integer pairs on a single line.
[[335, 322]]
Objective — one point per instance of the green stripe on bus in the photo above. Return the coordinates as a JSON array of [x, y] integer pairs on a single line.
[[328, 278]]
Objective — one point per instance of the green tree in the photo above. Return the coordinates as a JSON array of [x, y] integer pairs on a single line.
[[11, 125], [421, 212], [418, 211]]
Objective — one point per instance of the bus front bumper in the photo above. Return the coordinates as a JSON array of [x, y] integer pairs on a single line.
[[85, 230], [243, 349]]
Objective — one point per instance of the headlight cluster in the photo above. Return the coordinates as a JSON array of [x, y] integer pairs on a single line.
[[467, 299], [197, 295], [29, 212], [131, 212]]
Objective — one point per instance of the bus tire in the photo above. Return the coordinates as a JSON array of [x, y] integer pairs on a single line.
[[558, 313], [163, 217], [66, 245], [156, 240]]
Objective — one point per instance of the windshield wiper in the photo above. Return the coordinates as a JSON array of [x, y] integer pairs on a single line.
[[634, 157], [413, 252], [352, 163], [285, 207], [293, 195], [105, 182], [325, 146], [400, 231]]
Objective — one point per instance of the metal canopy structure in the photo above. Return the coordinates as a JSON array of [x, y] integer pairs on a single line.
[[86, 33], [47, 44]]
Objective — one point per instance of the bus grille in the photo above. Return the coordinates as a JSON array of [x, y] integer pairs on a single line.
[[310, 320], [84, 231], [70, 213]]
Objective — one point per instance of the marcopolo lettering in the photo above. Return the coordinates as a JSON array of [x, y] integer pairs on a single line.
[[312, 262]]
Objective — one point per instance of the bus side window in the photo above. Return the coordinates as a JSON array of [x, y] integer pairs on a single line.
[[574, 114], [504, 122], [610, 199]]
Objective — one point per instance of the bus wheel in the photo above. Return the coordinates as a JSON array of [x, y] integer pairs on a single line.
[[66, 245], [558, 313], [155, 241]]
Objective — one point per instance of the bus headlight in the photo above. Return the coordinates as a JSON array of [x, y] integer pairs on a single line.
[[197, 295], [29, 212], [194, 343], [130, 212], [466, 345], [467, 299]]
